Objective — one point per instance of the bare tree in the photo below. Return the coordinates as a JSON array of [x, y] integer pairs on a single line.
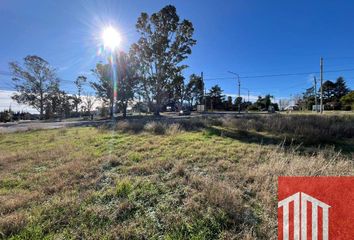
[[88, 102]]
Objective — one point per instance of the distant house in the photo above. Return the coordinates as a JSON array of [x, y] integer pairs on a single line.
[[291, 108]]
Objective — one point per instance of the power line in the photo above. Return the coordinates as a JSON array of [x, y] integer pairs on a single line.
[[283, 74], [229, 78]]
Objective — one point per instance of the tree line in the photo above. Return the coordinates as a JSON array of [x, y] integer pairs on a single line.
[[336, 96], [150, 70], [37, 85]]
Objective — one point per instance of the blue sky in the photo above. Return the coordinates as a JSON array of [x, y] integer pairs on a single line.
[[248, 37]]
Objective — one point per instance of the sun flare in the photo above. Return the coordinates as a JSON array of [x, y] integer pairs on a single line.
[[111, 38]]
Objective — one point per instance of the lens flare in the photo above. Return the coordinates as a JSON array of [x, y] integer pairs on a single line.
[[111, 38]]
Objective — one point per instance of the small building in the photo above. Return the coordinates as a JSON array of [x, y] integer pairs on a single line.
[[291, 108]]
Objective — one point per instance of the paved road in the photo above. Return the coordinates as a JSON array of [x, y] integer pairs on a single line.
[[32, 125]]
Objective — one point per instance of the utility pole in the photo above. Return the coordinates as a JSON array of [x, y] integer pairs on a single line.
[[204, 92], [248, 96], [321, 76], [205, 99], [239, 87], [315, 92], [239, 90]]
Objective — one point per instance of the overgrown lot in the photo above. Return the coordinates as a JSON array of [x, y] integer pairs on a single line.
[[192, 179]]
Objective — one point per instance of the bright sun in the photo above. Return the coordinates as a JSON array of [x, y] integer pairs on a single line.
[[111, 38]]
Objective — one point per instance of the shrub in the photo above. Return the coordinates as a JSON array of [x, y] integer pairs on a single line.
[[173, 129], [193, 124], [156, 128], [130, 126]]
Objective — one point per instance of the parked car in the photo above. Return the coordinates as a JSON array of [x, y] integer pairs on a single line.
[[184, 112]]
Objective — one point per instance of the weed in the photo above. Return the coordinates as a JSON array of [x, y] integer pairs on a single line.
[[135, 156]]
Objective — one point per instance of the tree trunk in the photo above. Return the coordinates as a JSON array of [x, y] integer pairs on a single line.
[[125, 110], [41, 101], [156, 111], [41, 105], [112, 110], [41, 112], [157, 108]]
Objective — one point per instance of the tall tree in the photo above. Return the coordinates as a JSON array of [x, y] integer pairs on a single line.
[[238, 102], [308, 99], [165, 41], [34, 81], [341, 88], [177, 91], [348, 101], [195, 89], [328, 91], [123, 72], [104, 86], [79, 82], [216, 97], [59, 103], [127, 80], [229, 105], [264, 102]]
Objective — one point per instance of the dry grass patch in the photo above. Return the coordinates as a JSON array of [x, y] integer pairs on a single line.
[[155, 179]]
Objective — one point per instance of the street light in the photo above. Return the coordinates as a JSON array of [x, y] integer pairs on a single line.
[[239, 89], [111, 40], [248, 93]]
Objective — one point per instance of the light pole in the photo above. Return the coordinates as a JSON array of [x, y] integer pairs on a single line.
[[248, 94], [239, 90], [111, 40], [315, 92]]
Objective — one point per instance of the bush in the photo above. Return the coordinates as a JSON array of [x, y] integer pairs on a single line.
[[129, 126], [173, 128], [252, 108], [156, 128]]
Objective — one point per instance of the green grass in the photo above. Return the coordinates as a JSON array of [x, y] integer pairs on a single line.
[[163, 182]]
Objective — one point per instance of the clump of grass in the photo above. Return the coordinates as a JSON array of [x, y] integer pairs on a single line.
[[130, 126], [179, 170], [62, 131], [157, 128], [123, 188], [194, 124], [111, 162], [222, 196], [8, 183], [135, 157], [51, 138], [310, 129], [12, 223], [173, 129]]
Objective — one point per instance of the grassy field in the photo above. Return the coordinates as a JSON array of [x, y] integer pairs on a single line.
[[195, 179]]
